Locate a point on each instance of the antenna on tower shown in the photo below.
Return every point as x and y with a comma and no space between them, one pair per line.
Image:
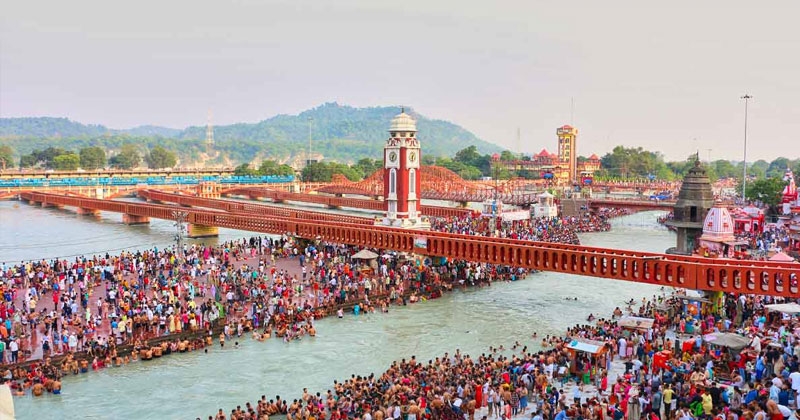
519,143
209,133
572,111
308,155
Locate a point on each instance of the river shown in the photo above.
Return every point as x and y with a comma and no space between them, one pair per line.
195,384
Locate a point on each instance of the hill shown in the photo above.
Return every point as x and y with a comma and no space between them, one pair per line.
338,132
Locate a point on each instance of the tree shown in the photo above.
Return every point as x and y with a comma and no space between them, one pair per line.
67,162
368,166
93,157
271,167
317,172
766,190
127,158
778,167
160,157
245,170
507,155
725,169
467,156
6,156
636,162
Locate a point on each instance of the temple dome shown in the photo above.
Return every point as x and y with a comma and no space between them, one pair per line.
718,224
403,122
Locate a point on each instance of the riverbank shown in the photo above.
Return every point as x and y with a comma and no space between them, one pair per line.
470,320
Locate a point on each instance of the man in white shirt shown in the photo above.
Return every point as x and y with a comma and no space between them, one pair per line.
794,377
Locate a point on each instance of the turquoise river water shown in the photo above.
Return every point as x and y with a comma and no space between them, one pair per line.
189,385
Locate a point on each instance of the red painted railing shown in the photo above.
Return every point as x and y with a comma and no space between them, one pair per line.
758,277
348,202
251,208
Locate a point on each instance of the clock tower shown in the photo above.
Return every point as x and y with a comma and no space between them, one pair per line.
401,175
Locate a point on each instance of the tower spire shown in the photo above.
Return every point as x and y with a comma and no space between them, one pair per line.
209,133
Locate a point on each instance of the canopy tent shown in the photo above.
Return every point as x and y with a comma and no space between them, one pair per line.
586,346
733,341
636,322
365,254
781,257
786,308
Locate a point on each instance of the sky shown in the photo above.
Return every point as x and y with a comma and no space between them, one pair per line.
665,76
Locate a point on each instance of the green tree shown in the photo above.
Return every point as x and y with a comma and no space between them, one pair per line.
757,169
508,155
67,162
93,157
766,190
777,167
127,158
368,166
271,167
725,169
245,170
317,172
160,157
6,156
623,162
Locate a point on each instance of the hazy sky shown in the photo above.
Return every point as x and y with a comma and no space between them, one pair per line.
650,74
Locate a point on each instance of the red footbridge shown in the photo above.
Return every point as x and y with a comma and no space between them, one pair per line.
337,202
758,277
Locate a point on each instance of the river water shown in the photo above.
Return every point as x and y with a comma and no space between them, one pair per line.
194,384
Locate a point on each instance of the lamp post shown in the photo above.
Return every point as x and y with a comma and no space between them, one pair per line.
746,98
180,219
495,161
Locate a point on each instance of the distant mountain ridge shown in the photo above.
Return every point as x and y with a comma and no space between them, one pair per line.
338,132
64,127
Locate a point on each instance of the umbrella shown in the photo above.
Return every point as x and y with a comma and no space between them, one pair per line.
781,257
787,308
365,254
734,341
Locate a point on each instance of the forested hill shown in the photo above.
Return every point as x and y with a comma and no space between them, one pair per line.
338,132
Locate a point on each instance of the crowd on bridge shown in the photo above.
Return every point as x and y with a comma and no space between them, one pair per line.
542,229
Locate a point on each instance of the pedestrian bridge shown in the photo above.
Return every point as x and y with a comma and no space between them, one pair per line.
735,276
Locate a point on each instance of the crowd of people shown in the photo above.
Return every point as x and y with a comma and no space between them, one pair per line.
91,306
556,229
694,379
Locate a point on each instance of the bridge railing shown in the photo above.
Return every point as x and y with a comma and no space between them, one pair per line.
757,277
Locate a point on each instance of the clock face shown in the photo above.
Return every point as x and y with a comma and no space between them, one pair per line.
412,156
392,156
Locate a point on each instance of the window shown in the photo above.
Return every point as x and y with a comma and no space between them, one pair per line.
412,181
393,181
693,214
412,209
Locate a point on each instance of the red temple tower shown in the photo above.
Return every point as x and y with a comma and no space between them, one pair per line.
401,175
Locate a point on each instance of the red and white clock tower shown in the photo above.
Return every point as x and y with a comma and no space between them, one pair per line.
401,175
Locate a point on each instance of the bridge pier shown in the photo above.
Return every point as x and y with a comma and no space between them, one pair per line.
202,231
87,212
48,205
130,219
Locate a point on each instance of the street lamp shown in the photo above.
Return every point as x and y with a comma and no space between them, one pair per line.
180,219
746,98
495,161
